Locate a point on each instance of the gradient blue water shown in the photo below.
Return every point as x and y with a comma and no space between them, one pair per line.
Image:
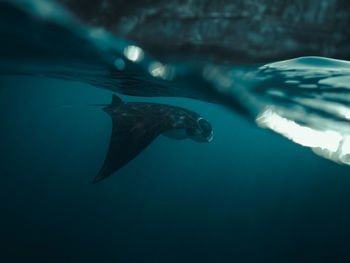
249,196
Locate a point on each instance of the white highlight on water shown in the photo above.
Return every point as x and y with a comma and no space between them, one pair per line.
328,143
133,53
303,135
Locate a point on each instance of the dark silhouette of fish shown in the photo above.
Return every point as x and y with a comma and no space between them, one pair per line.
137,124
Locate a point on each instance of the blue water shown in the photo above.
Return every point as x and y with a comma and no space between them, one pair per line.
250,195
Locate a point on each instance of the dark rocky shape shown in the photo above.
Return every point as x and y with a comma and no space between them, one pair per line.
236,31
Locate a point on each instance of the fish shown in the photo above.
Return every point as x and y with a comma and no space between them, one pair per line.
136,124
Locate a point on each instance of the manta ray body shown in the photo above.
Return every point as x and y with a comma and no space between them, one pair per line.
136,124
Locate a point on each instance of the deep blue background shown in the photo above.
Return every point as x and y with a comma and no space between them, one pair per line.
249,196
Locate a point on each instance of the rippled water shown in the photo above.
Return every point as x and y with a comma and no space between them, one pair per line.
304,99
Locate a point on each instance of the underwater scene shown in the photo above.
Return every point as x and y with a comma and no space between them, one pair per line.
175,131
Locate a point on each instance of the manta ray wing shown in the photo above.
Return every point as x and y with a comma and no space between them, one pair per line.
132,132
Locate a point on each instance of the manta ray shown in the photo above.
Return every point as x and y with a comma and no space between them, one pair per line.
136,124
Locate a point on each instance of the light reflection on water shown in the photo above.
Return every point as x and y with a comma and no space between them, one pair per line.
133,53
309,104
327,143
304,99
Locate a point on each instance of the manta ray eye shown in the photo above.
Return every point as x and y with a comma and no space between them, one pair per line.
205,126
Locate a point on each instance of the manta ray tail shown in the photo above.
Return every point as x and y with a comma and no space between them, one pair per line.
132,131
116,100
